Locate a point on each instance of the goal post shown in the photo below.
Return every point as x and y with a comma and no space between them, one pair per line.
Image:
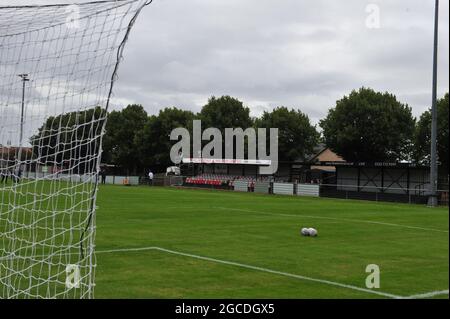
58,64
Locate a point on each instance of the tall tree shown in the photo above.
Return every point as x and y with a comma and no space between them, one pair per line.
225,112
153,141
422,135
297,136
119,141
70,140
369,126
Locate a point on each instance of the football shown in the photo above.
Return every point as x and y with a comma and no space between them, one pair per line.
312,232
305,232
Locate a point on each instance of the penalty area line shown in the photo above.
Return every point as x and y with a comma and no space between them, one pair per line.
261,269
428,294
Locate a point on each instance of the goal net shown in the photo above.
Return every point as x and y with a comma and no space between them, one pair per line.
58,64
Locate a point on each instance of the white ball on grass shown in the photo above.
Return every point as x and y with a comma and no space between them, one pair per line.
312,232
305,232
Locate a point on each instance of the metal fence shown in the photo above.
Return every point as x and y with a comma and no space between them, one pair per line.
417,195
283,188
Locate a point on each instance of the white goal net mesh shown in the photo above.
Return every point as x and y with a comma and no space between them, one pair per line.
57,67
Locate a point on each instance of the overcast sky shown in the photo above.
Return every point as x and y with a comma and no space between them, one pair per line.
304,54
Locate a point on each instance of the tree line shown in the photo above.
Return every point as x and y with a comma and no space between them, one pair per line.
364,126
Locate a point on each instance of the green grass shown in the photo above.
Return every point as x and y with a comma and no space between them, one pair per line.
262,231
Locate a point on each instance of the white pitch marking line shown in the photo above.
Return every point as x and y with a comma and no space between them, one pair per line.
419,296
231,263
335,218
125,250
428,294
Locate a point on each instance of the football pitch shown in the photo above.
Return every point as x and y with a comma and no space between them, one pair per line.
179,243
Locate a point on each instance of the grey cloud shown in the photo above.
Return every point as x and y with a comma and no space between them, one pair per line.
302,54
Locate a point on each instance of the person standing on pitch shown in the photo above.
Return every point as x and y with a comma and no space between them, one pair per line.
17,175
4,175
103,175
150,178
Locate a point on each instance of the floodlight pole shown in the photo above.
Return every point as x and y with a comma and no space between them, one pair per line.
25,79
433,197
